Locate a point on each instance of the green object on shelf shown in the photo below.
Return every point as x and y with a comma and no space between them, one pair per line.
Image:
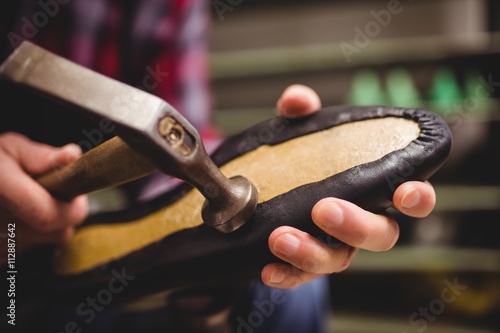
445,93
366,89
400,88
477,100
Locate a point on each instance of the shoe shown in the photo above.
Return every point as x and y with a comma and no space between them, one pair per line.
360,154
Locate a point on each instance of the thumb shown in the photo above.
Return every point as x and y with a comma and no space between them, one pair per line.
298,100
62,156
35,157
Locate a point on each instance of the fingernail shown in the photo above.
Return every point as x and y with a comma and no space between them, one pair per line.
67,153
331,215
410,199
286,245
277,277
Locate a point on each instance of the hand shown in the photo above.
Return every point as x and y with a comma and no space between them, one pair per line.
357,228
38,217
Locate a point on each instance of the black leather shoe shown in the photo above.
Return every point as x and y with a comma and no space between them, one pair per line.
360,154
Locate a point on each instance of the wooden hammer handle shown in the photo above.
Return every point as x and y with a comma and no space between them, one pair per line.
110,164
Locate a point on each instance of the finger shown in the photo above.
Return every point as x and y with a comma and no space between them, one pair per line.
34,157
27,235
29,202
307,253
23,197
416,199
355,226
58,237
66,154
285,276
298,100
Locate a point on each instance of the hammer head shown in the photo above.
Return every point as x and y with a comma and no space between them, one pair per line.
227,214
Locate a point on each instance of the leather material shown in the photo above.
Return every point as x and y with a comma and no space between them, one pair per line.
202,256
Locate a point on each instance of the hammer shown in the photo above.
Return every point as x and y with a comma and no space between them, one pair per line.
150,135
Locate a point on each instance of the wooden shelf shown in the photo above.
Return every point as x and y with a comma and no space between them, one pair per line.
459,198
366,323
427,258
329,56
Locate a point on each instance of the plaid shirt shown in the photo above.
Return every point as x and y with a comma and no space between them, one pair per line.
157,45
160,46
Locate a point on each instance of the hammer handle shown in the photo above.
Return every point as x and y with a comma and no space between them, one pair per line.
110,164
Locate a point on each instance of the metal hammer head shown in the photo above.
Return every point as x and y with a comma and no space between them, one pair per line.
229,202
234,206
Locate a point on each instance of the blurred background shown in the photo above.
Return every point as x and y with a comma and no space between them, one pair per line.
443,56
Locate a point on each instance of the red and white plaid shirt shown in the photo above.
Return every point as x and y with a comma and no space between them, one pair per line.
160,46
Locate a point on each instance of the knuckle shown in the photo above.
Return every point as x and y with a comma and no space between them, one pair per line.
44,220
77,215
62,236
360,238
346,259
294,280
293,277
311,265
391,237
9,136
317,259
